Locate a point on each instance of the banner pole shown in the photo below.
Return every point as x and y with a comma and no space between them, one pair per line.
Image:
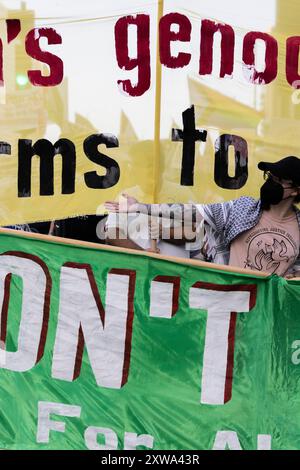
160,9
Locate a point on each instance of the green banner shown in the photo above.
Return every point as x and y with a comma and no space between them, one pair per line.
105,349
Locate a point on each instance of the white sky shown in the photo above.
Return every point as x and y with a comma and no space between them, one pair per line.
88,53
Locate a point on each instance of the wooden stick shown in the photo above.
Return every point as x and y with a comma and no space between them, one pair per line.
157,112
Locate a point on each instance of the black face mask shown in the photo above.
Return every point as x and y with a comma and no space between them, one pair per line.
271,193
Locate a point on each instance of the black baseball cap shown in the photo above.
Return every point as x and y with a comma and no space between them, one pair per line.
288,169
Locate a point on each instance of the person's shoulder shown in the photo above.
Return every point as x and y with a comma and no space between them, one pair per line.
246,201
246,206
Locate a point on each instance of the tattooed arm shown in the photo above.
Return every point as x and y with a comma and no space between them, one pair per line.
169,211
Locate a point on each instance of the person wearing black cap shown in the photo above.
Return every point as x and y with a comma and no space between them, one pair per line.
272,244
261,235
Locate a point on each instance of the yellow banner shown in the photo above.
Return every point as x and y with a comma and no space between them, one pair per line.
170,101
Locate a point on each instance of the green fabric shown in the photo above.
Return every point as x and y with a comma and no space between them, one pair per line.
162,395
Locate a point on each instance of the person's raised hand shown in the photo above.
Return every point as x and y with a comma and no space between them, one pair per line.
155,228
126,204
153,250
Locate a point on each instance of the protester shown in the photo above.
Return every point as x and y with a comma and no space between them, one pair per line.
37,227
262,235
